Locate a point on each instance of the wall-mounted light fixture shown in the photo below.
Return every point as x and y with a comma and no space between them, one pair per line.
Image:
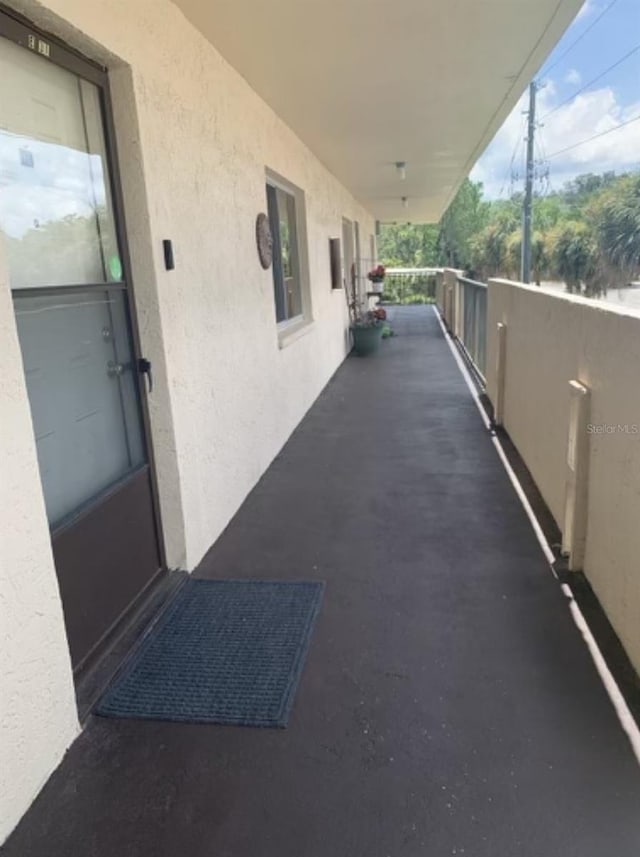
401,167
405,202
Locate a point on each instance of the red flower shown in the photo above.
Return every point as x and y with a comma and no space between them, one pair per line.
377,274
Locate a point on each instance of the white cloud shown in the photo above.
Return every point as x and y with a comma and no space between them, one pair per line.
587,115
573,77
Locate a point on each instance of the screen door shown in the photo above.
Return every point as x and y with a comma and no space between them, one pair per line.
60,228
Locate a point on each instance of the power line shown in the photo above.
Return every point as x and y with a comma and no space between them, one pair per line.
545,162
594,80
540,141
541,168
580,37
595,137
527,206
509,176
541,157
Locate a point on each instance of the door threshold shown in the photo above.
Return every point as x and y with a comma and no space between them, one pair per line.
92,679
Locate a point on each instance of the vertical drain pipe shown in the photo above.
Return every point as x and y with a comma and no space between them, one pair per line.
501,368
574,532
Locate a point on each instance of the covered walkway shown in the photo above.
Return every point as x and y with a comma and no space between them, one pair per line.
448,705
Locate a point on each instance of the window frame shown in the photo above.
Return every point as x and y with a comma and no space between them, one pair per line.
289,326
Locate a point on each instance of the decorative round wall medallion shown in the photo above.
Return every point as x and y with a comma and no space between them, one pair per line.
264,240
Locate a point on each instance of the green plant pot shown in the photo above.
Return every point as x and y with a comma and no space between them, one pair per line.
366,340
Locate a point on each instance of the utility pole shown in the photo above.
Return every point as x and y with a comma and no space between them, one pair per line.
525,268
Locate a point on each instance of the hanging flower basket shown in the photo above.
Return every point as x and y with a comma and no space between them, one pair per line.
377,275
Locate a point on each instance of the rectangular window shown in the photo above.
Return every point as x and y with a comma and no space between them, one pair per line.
56,211
287,230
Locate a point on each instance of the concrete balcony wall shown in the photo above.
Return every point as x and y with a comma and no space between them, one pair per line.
551,340
448,298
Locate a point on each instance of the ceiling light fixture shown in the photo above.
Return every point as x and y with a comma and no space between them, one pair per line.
401,167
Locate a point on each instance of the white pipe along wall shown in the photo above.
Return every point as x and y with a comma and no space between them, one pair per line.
552,340
194,143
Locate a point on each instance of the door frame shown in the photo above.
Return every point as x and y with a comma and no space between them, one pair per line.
358,261
19,30
348,249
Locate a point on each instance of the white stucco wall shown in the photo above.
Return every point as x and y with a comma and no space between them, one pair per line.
194,142
37,703
206,139
550,340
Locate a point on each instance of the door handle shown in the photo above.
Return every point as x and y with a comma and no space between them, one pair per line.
144,367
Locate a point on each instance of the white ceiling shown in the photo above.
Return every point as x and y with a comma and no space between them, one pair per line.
366,83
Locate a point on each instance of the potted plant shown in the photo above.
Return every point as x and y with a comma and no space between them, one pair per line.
367,332
366,326
376,277
381,314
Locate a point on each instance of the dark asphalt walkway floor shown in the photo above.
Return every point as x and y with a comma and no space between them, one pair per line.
448,706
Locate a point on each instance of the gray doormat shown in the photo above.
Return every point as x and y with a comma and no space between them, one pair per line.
226,651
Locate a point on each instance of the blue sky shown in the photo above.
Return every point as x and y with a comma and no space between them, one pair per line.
603,105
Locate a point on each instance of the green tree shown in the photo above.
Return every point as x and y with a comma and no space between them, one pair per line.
616,218
586,185
548,211
513,254
506,213
465,217
512,260
408,245
587,234
540,261
489,252
575,257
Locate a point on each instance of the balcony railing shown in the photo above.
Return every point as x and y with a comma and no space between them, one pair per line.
559,373
410,285
472,296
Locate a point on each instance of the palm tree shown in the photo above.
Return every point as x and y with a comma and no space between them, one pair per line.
617,217
575,256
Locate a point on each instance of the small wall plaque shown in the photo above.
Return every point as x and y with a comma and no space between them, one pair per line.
264,240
